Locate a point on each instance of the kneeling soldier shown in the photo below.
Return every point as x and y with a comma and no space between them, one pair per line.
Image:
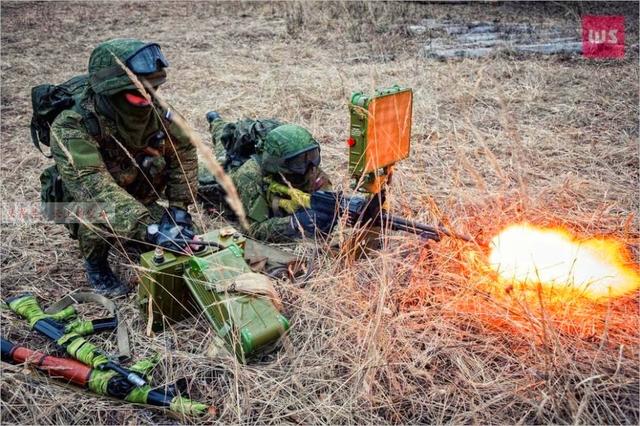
118,147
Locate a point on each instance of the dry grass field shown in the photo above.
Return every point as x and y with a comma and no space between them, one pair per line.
412,333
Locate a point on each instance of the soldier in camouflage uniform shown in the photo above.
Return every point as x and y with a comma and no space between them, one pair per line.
251,150
114,148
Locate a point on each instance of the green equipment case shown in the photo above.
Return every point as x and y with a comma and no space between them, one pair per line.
176,287
248,324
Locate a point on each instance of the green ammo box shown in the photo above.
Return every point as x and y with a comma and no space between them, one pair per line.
249,325
177,287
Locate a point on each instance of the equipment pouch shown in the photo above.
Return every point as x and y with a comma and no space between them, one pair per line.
53,197
51,192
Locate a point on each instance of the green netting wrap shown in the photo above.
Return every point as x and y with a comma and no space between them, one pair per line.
99,380
64,314
79,327
187,406
138,395
28,308
82,350
145,366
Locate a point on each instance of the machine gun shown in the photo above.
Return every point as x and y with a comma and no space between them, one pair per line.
359,210
379,137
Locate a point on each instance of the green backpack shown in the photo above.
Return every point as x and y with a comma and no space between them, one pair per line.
48,101
239,141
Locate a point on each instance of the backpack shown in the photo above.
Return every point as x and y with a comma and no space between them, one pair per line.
48,101
239,141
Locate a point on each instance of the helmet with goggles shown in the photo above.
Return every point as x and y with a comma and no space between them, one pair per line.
106,75
289,149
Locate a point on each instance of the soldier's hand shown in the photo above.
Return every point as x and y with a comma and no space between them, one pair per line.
174,228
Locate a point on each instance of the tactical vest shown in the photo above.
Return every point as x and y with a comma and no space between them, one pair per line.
145,178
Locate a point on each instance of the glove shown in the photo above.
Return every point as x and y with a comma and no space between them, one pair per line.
311,222
174,228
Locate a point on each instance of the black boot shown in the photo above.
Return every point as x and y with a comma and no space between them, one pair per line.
213,116
103,280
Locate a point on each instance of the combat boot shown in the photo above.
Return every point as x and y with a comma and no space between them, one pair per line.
102,279
213,116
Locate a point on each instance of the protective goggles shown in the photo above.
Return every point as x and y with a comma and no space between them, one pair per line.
147,60
300,163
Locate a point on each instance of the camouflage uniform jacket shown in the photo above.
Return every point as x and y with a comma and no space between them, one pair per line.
264,222
102,170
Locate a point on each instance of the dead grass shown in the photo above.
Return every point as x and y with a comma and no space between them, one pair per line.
410,334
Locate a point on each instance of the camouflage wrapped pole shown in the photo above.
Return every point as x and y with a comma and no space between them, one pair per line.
104,383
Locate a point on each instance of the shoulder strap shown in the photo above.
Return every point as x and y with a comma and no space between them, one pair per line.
88,297
89,117
92,123
35,138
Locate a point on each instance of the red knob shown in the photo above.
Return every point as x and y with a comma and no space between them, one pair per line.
351,142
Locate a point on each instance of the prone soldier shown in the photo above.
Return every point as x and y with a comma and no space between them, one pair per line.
256,151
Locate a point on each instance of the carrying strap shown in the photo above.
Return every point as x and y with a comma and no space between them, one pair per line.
36,142
89,117
279,264
253,284
124,352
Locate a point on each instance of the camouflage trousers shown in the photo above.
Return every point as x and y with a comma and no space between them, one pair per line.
96,240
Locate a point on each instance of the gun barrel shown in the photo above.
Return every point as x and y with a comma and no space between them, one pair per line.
130,376
412,226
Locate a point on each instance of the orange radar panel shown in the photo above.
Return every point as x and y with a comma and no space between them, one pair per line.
380,129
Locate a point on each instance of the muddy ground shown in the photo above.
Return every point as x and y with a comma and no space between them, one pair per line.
401,336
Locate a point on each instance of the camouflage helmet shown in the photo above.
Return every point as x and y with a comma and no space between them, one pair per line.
282,143
107,77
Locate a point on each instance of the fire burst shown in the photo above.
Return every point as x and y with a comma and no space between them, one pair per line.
552,257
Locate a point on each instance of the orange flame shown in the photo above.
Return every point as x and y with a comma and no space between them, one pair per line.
552,257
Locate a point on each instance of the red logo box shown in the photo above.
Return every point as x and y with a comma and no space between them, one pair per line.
603,36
